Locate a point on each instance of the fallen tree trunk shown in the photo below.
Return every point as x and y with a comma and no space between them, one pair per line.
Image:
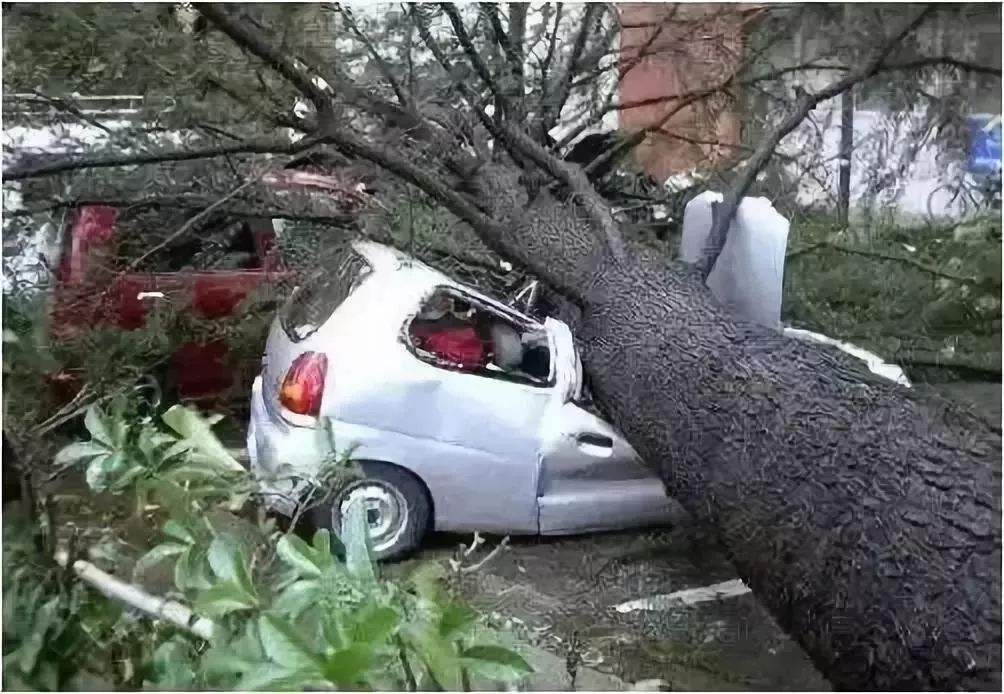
866,517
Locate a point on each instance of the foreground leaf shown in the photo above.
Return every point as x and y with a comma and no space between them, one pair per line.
347,666
299,555
80,451
496,662
193,427
94,422
456,619
374,624
295,599
224,598
284,646
355,537
157,555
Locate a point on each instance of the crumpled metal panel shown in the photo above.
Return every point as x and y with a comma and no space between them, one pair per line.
749,274
495,455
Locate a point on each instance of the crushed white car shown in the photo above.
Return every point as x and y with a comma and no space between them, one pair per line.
464,413
447,441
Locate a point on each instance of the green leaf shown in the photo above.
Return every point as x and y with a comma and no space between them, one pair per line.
356,538
42,619
495,662
297,598
190,570
192,426
79,451
299,555
374,624
171,667
347,666
226,558
455,620
101,471
439,657
323,545
224,598
270,678
284,646
173,528
157,555
95,424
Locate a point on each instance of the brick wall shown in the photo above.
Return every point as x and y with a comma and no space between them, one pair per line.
698,45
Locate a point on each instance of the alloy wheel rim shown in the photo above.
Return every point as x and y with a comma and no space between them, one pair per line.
386,513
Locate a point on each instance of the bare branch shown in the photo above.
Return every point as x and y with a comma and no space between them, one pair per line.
248,36
893,257
763,153
70,107
191,222
471,51
381,64
50,165
412,172
550,108
469,96
552,43
947,61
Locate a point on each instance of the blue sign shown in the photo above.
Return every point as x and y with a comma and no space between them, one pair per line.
984,144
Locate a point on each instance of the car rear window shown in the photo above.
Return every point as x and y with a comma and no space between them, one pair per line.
313,303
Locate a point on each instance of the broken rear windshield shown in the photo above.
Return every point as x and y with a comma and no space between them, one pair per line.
313,303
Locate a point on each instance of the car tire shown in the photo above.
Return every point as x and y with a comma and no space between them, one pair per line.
399,502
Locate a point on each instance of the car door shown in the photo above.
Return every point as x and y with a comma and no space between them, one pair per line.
590,476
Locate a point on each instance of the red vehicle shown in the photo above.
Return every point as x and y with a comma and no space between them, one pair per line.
90,291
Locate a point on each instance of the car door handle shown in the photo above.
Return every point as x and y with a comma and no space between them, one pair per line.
596,445
598,440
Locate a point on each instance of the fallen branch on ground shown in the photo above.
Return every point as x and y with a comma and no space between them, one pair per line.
134,596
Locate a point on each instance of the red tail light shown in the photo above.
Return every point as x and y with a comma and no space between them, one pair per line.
303,386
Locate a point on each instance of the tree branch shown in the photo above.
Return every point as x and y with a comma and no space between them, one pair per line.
946,60
191,222
381,64
894,257
248,36
469,96
549,56
472,53
551,109
52,165
807,102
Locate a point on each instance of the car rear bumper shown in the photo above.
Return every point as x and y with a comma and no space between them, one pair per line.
276,448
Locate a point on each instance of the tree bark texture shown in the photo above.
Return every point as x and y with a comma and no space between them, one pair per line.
864,516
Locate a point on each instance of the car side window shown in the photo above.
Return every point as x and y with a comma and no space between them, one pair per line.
219,242
457,332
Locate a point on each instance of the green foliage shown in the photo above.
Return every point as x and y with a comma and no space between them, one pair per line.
52,623
285,614
904,292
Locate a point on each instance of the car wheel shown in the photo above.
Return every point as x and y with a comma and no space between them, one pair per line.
397,509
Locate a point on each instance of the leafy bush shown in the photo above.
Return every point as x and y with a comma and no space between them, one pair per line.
917,295
268,609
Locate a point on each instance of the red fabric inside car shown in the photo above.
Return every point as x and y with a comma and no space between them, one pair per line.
460,346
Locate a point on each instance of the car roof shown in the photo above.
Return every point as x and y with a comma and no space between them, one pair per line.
415,277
